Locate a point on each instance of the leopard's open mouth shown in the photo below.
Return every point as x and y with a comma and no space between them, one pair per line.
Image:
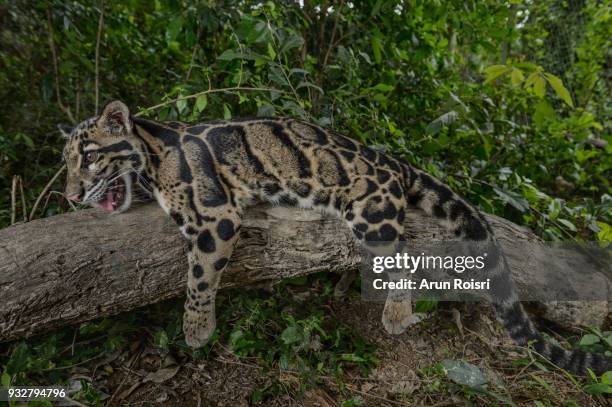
117,195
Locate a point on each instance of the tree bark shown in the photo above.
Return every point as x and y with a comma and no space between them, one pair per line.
75,267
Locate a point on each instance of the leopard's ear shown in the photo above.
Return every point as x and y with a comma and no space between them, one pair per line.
64,131
115,119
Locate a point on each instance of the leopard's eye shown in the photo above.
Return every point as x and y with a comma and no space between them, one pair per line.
90,157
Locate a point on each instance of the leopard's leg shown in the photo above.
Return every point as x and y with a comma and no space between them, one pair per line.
211,247
377,221
397,314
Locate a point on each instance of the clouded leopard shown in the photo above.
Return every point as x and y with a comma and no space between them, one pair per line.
205,175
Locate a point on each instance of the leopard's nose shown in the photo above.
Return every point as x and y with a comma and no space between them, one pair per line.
74,197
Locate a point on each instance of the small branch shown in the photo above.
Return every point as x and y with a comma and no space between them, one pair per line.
193,54
45,190
333,35
77,101
23,200
98,38
195,95
13,200
60,103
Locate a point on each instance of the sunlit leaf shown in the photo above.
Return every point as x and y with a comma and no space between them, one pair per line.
201,103
495,71
559,88
539,86
517,77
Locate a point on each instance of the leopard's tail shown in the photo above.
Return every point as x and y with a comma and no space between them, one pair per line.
439,201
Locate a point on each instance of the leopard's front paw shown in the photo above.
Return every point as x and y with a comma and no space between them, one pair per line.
198,329
397,316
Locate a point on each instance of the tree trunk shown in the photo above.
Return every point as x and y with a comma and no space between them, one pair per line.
75,267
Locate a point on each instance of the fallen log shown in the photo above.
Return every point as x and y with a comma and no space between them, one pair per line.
75,267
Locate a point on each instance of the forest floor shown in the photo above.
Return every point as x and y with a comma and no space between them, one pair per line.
296,346
408,370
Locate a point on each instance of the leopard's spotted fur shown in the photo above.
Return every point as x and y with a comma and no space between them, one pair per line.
205,175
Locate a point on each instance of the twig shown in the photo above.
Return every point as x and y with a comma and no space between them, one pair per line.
280,61
129,365
13,200
333,35
195,95
82,362
63,107
98,37
193,54
24,208
44,191
77,97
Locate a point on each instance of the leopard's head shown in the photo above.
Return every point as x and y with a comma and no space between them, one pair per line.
103,158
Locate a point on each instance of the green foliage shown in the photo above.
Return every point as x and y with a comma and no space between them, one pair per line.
478,94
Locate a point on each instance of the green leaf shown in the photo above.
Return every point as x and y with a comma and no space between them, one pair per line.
559,88
227,113
201,103
271,52
181,105
160,340
291,335
377,49
514,199
306,84
531,79
265,110
351,357
293,41
606,378
5,380
567,224
494,71
425,305
517,77
230,55
383,87
539,86
174,29
464,373
236,337
589,339
527,66
544,114
598,388
605,232
444,120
